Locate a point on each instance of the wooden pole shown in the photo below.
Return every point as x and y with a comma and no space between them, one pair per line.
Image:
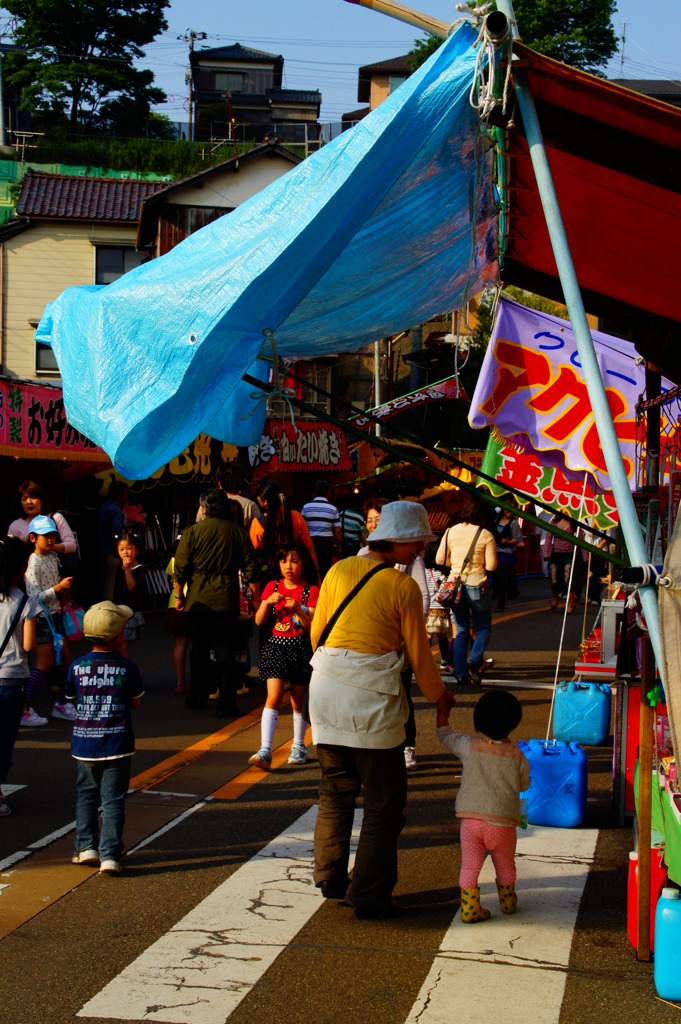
645,790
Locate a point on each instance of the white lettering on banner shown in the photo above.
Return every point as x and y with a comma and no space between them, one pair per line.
312,446
430,394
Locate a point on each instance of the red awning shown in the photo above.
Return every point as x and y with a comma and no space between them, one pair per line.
615,157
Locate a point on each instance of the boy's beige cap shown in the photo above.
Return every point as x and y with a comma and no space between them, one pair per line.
105,620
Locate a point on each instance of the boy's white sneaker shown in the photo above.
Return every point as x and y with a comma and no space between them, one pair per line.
88,857
31,718
110,867
65,711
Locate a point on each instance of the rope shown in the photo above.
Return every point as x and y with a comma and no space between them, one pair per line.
483,100
562,632
278,389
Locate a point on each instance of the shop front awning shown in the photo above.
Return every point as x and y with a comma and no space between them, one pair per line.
615,157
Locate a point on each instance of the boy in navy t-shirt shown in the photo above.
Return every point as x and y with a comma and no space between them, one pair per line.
106,687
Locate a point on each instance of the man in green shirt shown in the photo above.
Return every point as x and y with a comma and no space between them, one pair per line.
208,559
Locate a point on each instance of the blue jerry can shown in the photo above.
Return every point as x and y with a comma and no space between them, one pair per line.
582,713
557,793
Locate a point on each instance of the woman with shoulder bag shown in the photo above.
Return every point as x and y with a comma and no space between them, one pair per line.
471,551
362,630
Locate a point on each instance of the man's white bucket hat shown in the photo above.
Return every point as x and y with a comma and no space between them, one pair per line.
403,521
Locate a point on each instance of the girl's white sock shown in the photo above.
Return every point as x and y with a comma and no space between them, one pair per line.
299,727
268,724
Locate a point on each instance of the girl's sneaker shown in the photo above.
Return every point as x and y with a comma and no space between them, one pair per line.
298,754
31,718
181,688
65,711
263,759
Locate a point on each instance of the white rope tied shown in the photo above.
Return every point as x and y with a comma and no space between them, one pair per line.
481,95
279,390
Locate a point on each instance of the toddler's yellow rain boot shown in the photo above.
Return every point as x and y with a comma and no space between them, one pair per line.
471,911
507,898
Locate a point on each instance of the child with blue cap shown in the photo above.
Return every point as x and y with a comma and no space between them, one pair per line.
44,582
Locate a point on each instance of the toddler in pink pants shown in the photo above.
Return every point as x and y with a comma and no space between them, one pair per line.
495,773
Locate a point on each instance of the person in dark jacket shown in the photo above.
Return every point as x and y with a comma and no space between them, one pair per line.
208,559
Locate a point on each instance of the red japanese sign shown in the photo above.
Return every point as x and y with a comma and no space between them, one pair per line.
305,444
33,424
443,389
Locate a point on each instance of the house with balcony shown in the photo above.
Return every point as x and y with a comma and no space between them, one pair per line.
237,92
375,82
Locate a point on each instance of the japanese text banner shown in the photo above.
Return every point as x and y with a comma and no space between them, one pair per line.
305,444
448,388
531,391
562,491
33,425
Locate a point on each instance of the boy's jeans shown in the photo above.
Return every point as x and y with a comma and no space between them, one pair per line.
109,781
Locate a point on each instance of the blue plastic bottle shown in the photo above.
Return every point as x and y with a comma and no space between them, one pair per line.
667,940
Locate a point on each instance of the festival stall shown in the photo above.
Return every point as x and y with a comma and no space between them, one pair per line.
322,261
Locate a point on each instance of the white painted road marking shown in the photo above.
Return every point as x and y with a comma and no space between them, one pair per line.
513,968
201,969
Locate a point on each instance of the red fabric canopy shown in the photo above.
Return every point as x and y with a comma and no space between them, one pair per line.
615,157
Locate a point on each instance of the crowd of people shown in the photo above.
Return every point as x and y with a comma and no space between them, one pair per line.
351,606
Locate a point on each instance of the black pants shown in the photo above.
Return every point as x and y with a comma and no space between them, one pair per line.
323,547
410,725
218,632
383,776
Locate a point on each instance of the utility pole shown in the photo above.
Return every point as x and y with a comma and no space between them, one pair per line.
190,38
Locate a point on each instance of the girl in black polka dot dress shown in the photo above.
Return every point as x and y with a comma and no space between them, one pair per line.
287,605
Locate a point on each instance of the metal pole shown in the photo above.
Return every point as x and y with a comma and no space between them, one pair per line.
377,382
585,346
645,795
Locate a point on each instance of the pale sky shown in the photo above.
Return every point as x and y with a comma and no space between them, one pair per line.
324,42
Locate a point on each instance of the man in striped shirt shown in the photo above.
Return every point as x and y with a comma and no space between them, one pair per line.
323,522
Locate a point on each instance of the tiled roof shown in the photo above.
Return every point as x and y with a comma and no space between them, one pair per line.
294,95
398,65
660,89
74,197
234,52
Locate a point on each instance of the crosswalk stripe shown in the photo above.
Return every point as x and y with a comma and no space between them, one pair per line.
200,970
513,968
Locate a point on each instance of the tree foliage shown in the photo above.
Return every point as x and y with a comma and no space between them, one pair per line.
74,61
576,32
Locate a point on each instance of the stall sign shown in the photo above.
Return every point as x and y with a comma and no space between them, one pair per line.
561,491
444,389
33,424
305,444
531,390
197,463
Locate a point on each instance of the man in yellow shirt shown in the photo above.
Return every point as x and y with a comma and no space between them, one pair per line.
358,707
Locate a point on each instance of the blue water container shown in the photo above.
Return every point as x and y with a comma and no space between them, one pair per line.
582,713
667,942
557,793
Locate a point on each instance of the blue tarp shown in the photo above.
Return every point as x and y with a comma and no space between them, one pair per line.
387,226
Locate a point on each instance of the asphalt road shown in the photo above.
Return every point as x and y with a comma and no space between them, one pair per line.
67,932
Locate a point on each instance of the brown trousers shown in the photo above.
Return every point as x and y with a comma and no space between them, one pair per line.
383,777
